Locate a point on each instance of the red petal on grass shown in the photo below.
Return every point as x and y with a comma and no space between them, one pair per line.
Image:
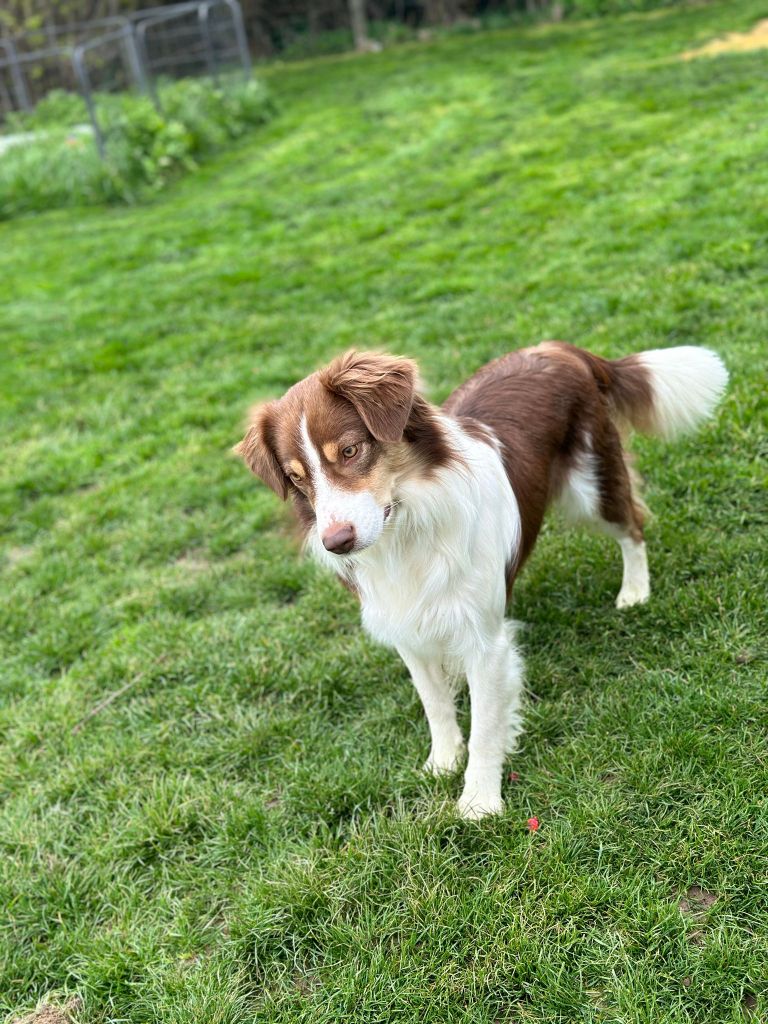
513,777
533,824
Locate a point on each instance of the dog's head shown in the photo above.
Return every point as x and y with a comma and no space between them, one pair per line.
336,442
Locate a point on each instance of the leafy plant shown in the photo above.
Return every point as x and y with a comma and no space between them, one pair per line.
145,148
59,109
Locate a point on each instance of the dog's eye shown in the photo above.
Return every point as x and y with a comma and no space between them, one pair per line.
350,451
295,478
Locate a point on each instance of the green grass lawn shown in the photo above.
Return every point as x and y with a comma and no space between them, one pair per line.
210,804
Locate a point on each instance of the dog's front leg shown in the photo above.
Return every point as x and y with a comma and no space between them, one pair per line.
437,698
495,677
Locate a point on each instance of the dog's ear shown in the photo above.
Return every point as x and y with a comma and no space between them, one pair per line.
257,449
380,387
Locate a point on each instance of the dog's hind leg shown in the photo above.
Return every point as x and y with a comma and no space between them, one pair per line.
635,583
600,489
495,677
437,697
621,516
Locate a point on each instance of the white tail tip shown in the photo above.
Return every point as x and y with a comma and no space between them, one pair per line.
687,384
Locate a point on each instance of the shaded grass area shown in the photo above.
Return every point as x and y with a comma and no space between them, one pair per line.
239,833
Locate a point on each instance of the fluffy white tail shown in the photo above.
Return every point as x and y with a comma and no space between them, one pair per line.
686,383
664,391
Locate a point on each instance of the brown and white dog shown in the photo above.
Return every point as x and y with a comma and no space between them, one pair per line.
429,513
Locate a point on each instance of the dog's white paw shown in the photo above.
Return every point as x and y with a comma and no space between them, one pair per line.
629,596
475,806
444,762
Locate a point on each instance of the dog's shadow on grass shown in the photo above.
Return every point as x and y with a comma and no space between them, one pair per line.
573,638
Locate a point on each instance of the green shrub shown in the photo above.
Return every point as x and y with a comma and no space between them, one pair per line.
59,109
144,148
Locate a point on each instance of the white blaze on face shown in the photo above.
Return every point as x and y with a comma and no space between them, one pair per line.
337,505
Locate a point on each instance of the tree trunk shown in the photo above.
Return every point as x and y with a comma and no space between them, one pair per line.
359,25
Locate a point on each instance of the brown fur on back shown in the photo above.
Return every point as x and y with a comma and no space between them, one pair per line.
547,406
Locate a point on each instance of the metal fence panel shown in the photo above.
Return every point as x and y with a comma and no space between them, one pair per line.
134,51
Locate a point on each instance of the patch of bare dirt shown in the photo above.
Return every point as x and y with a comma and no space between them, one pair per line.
748,1003
734,42
47,1013
193,561
18,554
695,905
696,901
305,983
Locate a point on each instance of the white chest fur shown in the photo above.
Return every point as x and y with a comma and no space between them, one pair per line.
435,579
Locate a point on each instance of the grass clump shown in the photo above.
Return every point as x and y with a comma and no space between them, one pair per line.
145,148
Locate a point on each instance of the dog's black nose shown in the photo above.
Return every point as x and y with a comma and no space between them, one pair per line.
339,538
